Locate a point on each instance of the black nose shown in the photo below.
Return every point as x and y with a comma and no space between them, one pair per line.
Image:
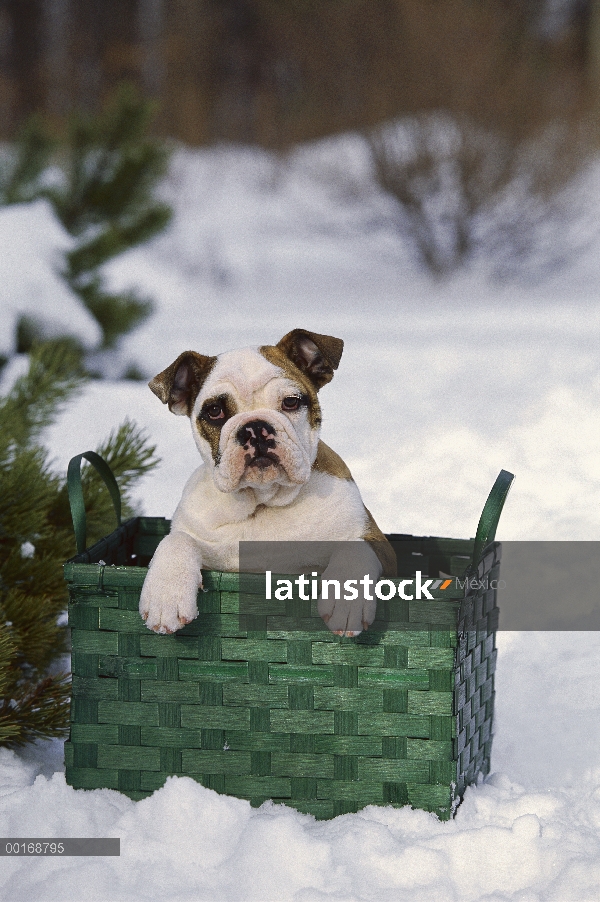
257,434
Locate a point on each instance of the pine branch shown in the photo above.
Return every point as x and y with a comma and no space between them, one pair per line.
129,456
128,453
116,313
38,711
111,169
36,537
35,630
20,178
8,650
27,490
115,238
37,398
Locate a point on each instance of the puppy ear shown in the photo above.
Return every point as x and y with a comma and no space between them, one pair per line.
317,356
179,384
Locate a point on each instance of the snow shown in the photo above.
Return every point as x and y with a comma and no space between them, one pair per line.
441,385
188,843
33,246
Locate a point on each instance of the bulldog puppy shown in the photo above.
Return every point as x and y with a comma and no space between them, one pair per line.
266,476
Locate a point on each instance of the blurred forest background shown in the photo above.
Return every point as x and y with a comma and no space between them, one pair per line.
276,72
465,106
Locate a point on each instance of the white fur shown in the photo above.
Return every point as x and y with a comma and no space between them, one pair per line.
222,506
257,388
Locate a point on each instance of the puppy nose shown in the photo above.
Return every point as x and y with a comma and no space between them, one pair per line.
257,434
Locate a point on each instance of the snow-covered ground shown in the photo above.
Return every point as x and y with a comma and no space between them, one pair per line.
441,385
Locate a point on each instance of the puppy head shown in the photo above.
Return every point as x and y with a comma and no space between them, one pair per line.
254,412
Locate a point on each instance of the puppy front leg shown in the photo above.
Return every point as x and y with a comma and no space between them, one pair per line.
349,564
168,599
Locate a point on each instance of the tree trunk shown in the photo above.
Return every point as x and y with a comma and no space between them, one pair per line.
55,26
150,20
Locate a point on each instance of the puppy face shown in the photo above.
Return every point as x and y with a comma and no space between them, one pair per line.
254,424
254,412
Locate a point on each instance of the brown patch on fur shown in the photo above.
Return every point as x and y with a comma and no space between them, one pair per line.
327,461
380,546
277,357
317,356
211,432
179,384
212,435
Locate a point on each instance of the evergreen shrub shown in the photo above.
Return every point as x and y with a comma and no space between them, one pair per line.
36,537
101,181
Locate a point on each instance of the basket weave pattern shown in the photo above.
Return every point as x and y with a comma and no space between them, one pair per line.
273,705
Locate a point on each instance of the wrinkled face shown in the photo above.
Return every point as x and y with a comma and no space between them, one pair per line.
256,420
255,414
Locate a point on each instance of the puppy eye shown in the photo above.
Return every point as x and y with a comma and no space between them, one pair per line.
214,411
291,403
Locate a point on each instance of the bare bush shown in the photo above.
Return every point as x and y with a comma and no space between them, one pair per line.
461,193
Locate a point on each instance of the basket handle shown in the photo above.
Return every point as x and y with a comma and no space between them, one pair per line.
75,493
488,522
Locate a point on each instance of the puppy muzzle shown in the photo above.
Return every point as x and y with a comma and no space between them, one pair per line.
258,439
261,447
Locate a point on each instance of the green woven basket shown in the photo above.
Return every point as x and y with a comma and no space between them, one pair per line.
283,709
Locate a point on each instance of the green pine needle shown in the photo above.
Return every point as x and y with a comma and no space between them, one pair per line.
36,538
111,170
37,398
21,171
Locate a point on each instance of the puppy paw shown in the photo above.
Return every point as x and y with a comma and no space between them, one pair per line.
166,607
354,611
347,618
169,593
